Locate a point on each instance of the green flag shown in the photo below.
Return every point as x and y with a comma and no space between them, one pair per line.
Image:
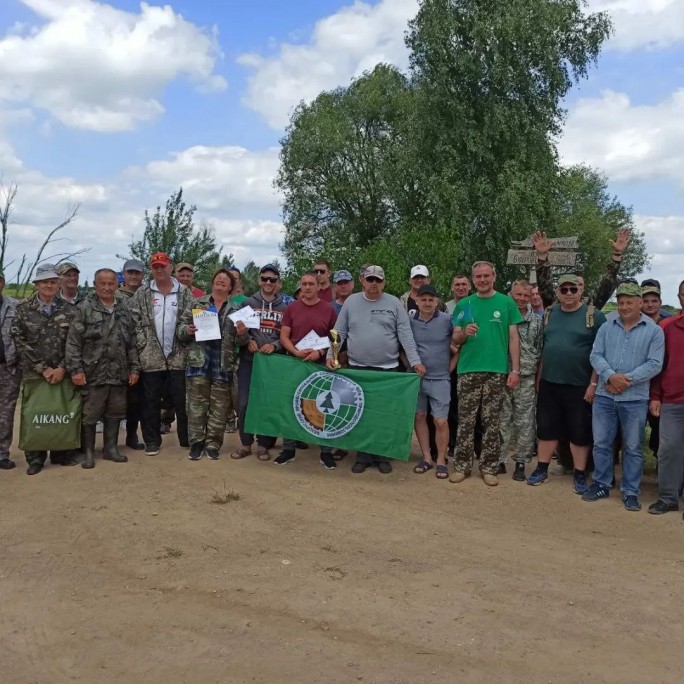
357,410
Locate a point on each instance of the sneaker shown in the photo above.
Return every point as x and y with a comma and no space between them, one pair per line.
385,467
595,492
165,428
457,476
284,457
579,483
538,476
502,469
196,451
212,453
151,449
7,464
328,461
631,503
660,507
519,472
359,468
490,480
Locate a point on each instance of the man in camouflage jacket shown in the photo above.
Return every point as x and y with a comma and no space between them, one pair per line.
39,330
10,376
102,359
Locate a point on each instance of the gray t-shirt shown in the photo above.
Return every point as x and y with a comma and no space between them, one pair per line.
433,341
374,331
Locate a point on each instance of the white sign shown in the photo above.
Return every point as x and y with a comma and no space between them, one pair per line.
207,324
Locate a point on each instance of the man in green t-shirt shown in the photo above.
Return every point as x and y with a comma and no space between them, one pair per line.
486,329
568,382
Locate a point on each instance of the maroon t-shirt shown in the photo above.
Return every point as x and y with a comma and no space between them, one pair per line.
326,295
302,319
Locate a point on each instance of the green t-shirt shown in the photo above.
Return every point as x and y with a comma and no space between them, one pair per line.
567,345
487,352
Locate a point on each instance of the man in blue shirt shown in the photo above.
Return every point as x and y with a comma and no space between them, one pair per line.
627,353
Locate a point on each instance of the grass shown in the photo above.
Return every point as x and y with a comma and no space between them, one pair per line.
226,497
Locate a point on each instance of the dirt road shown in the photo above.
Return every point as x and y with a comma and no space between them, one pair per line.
129,573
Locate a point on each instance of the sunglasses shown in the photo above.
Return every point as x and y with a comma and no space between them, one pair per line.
266,279
569,290
373,279
320,270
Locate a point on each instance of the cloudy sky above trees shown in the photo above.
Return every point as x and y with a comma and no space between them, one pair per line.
115,105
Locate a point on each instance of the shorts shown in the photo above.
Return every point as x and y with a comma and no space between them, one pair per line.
562,414
438,394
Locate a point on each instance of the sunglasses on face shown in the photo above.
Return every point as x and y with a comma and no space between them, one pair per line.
267,279
573,289
320,270
373,279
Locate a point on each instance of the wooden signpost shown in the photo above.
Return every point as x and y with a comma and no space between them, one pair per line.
522,253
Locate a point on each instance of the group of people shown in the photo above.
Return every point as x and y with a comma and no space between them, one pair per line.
502,375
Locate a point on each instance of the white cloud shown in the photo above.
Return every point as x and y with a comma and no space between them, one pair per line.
629,142
99,68
654,24
342,46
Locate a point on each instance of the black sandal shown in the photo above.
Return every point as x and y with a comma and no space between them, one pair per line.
422,467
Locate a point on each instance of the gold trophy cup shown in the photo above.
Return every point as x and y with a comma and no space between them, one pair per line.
335,340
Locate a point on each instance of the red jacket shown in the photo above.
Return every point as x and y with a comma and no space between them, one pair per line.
668,386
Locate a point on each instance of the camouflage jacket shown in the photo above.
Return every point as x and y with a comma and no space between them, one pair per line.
8,307
101,343
41,339
599,298
150,352
531,332
196,353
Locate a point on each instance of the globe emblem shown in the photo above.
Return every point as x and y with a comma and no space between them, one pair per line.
328,405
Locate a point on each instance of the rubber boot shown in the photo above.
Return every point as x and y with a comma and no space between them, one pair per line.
88,446
110,436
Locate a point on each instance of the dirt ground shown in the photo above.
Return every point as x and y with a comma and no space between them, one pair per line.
129,573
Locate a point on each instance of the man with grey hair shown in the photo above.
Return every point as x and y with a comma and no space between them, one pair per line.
486,330
375,327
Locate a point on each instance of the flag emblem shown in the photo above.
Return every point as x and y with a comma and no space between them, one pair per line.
328,405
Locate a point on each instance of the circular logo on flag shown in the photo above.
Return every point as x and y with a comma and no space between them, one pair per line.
328,405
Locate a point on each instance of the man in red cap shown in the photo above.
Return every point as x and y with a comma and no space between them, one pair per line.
156,309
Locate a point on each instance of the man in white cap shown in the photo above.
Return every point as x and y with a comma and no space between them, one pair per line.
69,274
39,330
418,277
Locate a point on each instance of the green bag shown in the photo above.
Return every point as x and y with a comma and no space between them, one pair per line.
50,416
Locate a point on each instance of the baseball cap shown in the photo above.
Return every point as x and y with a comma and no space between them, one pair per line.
427,290
420,270
271,268
134,265
342,276
376,271
161,258
568,278
45,272
628,289
650,289
67,266
184,265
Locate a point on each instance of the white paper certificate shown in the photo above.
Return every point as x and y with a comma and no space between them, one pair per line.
312,341
207,324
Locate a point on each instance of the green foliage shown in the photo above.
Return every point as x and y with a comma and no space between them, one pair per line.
448,165
172,230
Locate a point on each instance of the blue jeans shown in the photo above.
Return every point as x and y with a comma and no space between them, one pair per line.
607,414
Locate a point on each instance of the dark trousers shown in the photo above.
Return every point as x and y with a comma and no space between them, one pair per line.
362,456
134,403
154,385
244,377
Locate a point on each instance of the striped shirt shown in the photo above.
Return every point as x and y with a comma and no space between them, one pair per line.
637,353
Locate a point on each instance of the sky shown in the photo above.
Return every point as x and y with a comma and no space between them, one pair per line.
114,105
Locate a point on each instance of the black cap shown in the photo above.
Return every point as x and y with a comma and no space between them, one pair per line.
270,267
427,290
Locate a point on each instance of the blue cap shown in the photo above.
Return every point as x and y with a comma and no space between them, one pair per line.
341,276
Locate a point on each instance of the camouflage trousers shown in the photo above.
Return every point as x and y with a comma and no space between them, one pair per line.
208,403
481,392
9,392
518,421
